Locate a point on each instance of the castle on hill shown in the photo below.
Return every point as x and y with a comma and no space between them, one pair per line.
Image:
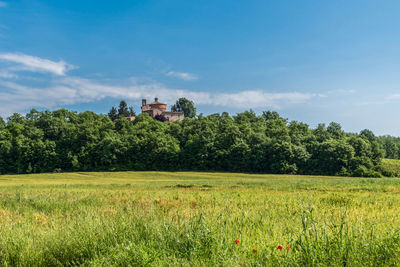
158,108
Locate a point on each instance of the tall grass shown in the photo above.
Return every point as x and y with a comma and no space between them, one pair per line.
193,219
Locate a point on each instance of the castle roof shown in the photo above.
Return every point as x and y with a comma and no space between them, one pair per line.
156,102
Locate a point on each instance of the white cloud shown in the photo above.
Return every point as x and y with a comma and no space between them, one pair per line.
393,97
36,64
7,75
337,93
15,97
384,100
182,75
342,91
3,4
380,100
259,99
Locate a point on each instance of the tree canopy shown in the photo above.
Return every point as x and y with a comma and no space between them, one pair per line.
122,111
64,140
185,105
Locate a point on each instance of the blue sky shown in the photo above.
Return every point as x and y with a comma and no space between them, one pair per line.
312,61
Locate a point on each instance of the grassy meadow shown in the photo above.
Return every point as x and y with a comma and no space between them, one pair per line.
194,219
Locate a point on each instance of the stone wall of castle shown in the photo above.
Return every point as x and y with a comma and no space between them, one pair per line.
157,108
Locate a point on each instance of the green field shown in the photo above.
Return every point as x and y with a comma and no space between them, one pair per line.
193,219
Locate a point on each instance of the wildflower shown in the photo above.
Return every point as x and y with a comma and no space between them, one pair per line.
288,248
255,250
280,247
237,241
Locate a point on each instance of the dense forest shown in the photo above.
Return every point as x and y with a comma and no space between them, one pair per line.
390,146
62,140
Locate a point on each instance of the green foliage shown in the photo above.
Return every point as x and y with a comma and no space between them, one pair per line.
122,111
185,105
68,141
390,146
391,167
113,114
2,123
272,115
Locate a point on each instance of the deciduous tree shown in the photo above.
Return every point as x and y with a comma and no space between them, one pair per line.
185,105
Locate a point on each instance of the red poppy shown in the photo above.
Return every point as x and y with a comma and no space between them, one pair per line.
280,247
237,241
288,248
255,250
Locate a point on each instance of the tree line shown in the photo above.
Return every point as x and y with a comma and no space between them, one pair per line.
63,140
390,146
